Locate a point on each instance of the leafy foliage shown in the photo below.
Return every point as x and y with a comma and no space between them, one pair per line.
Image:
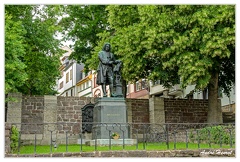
170,42
82,25
34,69
15,74
214,135
14,137
190,44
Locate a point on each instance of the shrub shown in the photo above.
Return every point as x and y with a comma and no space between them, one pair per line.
14,138
214,134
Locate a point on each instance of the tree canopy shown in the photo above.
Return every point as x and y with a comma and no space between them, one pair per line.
15,74
82,24
169,42
32,51
191,43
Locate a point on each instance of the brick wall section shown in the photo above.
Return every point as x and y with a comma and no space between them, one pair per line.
34,110
32,113
69,112
185,111
140,110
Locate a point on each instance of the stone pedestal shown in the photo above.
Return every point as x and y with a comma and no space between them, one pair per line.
110,116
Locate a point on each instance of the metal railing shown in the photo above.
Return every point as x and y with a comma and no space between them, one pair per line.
136,135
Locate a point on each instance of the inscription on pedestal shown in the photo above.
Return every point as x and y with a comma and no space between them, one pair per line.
110,115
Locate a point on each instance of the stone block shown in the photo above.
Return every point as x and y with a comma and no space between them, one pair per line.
106,112
137,154
106,154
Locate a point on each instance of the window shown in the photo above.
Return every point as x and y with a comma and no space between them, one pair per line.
157,82
90,83
83,74
141,85
81,77
79,88
138,86
71,74
144,85
95,81
67,77
205,91
128,89
83,86
61,85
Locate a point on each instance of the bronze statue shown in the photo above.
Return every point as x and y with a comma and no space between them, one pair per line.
105,69
118,79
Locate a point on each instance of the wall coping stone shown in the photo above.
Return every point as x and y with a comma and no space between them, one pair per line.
139,153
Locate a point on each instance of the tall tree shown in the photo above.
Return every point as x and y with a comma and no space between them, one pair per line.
82,24
15,74
41,48
193,43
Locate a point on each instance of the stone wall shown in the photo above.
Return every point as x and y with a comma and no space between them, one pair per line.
14,108
156,110
32,113
139,153
185,111
41,113
228,112
138,110
69,111
45,109
57,117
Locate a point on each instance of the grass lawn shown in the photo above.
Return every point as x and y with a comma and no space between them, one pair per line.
46,149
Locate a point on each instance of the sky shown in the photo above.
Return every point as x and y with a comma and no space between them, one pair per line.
3,2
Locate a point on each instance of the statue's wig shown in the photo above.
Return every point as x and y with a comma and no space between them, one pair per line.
104,46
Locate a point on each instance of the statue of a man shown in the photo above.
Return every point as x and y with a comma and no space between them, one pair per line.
105,69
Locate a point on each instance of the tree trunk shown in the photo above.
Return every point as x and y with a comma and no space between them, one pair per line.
214,109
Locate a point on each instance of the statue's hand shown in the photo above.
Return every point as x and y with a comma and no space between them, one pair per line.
110,62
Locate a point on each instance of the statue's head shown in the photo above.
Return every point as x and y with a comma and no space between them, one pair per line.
107,47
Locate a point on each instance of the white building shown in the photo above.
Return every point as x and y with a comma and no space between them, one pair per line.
70,74
74,81
156,89
84,85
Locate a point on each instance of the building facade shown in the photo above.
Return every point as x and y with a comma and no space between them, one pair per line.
84,85
70,74
157,90
138,90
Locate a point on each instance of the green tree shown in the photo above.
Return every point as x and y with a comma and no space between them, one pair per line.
82,25
193,43
41,48
15,74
